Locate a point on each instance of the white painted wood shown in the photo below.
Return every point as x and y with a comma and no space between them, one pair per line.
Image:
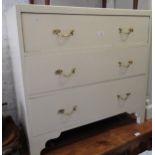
13,19
38,31
15,44
93,103
37,144
96,83
92,66
80,10
149,111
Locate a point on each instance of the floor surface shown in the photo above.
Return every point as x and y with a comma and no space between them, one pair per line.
106,137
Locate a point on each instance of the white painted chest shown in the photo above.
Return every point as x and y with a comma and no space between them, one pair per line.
74,66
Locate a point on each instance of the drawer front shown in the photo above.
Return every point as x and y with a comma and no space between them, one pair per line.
57,71
75,107
43,32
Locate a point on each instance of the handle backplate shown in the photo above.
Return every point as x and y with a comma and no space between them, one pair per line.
59,33
64,112
130,30
119,97
130,62
60,72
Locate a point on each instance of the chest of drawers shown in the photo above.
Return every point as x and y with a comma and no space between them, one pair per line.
75,66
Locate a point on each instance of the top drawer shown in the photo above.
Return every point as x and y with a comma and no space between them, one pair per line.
43,32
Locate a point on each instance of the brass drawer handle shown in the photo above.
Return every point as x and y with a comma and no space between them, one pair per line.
119,97
59,33
64,112
130,62
60,72
130,30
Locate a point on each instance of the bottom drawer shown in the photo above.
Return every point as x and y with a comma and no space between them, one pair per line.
71,108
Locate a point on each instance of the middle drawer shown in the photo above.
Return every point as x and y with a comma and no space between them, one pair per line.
48,72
